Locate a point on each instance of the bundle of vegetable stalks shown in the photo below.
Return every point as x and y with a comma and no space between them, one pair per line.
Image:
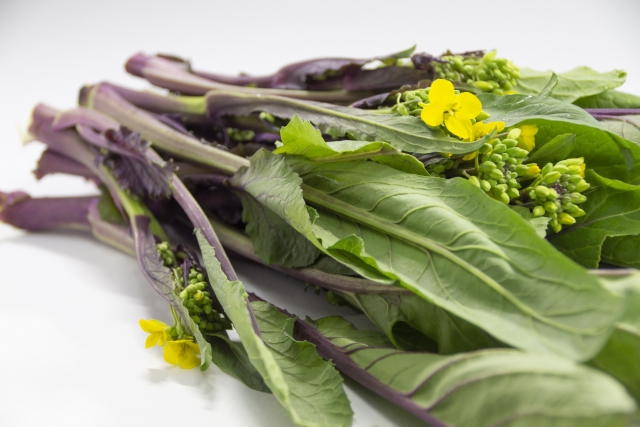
486,219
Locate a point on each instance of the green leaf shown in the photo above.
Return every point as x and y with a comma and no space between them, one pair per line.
275,241
604,151
627,127
609,99
480,389
539,224
233,359
621,356
623,251
308,388
407,133
559,147
612,209
572,85
411,322
445,241
302,139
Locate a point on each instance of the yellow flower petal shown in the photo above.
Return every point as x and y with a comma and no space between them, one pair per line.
441,93
432,115
470,156
152,340
470,105
499,126
458,127
582,168
152,325
526,142
183,353
528,130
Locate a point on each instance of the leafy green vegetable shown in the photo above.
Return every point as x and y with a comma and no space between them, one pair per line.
558,148
477,389
302,139
622,251
612,209
620,356
609,99
445,241
407,133
308,388
572,85
627,127
605,152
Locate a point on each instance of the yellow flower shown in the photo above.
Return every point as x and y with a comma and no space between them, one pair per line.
478,130
583,166
158,332
527,140
456,111
183,353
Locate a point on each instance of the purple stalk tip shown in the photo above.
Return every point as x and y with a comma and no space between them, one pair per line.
136,64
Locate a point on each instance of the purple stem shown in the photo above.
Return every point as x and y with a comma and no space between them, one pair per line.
105,98
198,218
51,162
329,351
176,76
20,210
241,80
612,111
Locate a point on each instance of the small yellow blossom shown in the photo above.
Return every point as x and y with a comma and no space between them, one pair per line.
456,111
478,130
183,353
158,332
527,140
583,166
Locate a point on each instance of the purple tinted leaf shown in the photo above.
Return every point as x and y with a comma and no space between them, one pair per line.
241,80
51,162
127,161
383,79
371,102
298,75
20,210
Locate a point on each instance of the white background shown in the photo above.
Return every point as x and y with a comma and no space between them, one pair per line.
71,351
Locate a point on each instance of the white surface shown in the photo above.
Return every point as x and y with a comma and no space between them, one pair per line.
71,351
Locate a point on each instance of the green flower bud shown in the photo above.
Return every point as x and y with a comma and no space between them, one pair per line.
521,170
504,198
402,110
574,170
542,191
500,165
510,142
560,168
538,211
546,169
497,91
197,310
485,185
551,177
569,207
513,183
475,181
532,195
486,148
512,161
513,193
487,167
582,186
553,194
496,174
200,286
575,162
191,289
184,294
484,86
196,318
499,148
514,134
483,116
578,213
492,182
550,207
571,187
555,226
574,179
566,219
578,198
496,158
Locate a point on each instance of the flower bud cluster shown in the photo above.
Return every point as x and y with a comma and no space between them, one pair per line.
557,192
500,165
166,254
438,169
491,74
200,306
240,135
